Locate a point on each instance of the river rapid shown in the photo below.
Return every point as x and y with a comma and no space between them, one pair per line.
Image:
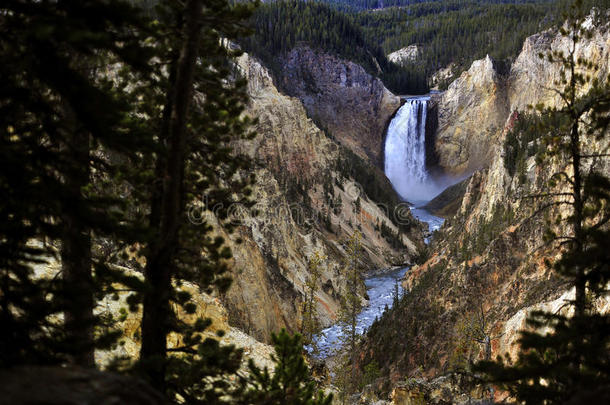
381,290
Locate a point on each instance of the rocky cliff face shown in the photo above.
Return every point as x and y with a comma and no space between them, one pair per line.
341,97
405,55
471,114
474,110
531,78
305,204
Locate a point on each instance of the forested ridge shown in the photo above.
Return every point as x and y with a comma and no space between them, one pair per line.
449,33
459,32
359,5
455,32
280,26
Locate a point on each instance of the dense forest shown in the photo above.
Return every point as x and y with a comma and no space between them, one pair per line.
455,32
381,4
449,33
280,26
459,32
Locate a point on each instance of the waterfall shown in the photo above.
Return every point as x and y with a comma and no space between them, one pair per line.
405,152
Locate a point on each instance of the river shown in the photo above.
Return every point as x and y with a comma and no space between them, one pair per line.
405,166
380,289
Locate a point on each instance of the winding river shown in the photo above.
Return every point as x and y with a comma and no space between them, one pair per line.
405,166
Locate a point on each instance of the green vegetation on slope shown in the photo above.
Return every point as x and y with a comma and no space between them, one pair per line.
458,32
280,26
359,5
454,32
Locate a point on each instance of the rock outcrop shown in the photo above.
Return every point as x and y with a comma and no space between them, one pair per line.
405,55
532,78
73,386
453,389
447,203
341,98
443,77
471,115
476,106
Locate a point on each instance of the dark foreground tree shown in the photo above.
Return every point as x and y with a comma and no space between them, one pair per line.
60,120
192,175
83,126
290,383
571,363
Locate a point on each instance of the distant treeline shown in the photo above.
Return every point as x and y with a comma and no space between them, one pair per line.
360,5
280,26
459,32
448,32
455,32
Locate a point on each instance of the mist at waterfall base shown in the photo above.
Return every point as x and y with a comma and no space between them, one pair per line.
405,154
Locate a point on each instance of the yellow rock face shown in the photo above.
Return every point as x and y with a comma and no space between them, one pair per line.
475,108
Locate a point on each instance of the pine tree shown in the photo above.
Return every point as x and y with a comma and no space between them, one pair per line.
311,324
350,299
193,170
60,121
290,383
571,364
348,317
396,295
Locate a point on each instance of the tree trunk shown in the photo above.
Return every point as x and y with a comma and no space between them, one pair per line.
159,267
580,301
76,258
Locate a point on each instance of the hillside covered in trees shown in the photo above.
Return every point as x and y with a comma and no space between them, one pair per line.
448,33
459,32
381,4
280,26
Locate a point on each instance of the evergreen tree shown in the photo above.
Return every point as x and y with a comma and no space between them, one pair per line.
350,300
60,122
192,171
310,324
396,295
357,206
571,363
290,383
348,316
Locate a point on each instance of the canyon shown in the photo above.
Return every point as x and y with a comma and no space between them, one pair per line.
293,153
337,153
322,112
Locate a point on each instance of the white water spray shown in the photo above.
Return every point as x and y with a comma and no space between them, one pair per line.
405,152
